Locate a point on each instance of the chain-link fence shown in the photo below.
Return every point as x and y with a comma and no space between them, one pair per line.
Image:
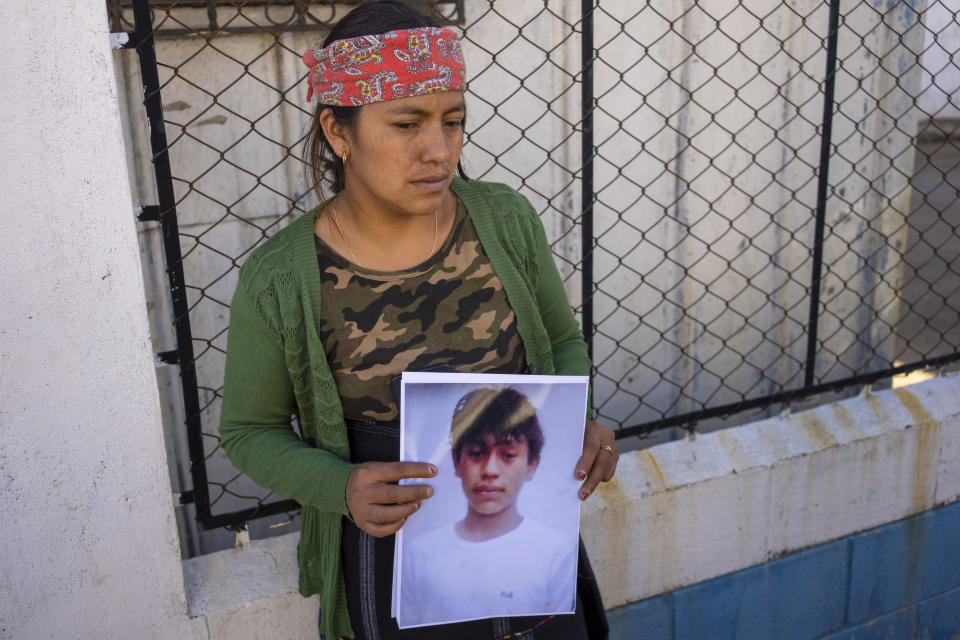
751,202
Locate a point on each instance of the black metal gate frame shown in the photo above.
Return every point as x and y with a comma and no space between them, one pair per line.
142,39
165,212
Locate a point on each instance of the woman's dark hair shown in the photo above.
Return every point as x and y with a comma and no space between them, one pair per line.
367,19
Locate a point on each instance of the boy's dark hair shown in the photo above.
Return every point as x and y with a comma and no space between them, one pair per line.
368,19
505,413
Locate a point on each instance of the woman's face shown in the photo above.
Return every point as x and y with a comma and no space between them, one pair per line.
402,154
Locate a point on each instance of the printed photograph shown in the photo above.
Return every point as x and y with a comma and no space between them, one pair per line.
499,536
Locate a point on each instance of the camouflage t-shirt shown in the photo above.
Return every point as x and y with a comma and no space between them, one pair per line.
450,310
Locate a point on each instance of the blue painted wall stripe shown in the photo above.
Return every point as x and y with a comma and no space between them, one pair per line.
793,598
905,562
900,580
898,625
649,619
939,618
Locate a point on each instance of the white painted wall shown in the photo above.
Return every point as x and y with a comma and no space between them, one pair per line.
691,510
89,546
941,75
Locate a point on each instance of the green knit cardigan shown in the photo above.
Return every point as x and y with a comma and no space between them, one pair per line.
276,369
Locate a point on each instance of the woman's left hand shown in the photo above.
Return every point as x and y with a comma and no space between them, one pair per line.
599,460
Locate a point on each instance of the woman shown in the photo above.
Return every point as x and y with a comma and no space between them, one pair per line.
415,269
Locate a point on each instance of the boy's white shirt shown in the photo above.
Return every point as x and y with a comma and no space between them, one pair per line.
530,570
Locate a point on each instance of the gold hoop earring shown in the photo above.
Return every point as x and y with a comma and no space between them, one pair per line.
344,156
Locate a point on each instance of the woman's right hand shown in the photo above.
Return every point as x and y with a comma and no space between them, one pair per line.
377,503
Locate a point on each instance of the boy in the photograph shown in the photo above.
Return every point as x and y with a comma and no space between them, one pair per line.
494,561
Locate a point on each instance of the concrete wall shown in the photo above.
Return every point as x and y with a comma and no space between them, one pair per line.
941,77
894,582
89,544
688,511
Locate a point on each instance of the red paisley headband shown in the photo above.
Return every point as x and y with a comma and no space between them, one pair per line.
392,65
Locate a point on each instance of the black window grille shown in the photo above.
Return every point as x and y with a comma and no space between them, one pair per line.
194,17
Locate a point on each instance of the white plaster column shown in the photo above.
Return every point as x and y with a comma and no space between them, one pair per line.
89,545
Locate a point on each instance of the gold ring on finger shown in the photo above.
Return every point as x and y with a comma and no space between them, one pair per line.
608,449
